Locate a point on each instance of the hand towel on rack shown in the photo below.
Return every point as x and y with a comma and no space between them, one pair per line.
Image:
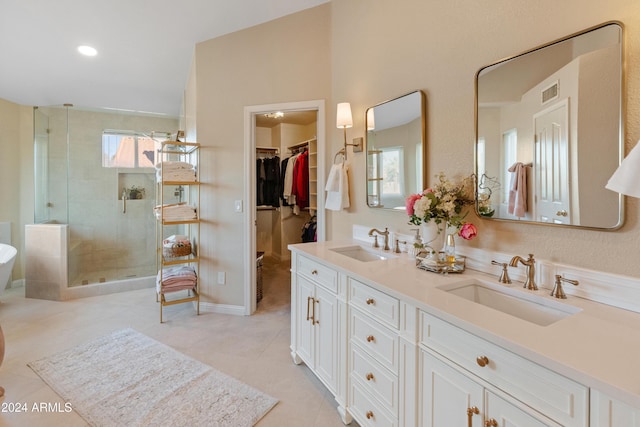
333,181
338,200
518,190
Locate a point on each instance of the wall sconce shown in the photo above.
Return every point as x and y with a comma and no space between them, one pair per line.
344,120
626,179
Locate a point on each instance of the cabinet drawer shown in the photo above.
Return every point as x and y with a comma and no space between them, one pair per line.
554,395
319,273
380,342
381,306
375,379
367,410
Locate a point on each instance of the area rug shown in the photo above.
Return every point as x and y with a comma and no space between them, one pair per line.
129,379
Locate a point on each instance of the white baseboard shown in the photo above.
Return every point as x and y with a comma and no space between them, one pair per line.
211,307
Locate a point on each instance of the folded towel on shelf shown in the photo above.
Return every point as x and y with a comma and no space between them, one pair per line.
339,199
178,278
175,171
184,175
173,165
175,212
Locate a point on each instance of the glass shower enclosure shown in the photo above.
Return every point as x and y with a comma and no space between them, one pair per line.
94,170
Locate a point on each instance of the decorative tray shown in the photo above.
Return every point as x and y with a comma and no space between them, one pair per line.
436,262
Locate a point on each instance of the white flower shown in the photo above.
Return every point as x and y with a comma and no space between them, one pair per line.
421,206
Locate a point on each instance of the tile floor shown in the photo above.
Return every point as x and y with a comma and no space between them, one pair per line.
253,349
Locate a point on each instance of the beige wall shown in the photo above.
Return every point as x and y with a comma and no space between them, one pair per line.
286,60
378,51
16,179
383,49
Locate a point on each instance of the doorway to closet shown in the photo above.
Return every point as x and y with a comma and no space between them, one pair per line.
284,192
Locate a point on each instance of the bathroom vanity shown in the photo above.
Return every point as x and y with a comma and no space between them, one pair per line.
399,346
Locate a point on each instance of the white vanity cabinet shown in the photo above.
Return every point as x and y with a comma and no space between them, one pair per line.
316,319
317,325
374,344
609,412
461,372
451,397
396,351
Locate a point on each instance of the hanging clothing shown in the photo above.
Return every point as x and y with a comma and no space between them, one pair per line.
283,172
271,185
268,181
260,176
309,230
301,180
287,191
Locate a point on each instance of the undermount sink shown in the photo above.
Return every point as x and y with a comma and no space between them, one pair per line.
359,253
525,306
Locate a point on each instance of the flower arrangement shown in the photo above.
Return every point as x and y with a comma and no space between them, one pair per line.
445,202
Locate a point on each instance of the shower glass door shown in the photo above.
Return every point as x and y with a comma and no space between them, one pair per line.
92,186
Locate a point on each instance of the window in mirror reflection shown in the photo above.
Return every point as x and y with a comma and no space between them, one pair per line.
395,150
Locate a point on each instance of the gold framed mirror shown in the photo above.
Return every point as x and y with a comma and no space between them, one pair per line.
549,132
396,150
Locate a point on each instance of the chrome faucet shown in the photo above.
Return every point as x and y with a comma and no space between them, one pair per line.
384,233
530,263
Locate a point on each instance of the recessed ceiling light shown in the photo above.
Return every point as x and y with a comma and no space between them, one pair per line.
87,50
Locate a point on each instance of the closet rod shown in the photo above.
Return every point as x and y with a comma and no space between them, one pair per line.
267,149
301,144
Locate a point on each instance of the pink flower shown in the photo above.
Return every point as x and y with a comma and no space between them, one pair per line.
411,200
468,231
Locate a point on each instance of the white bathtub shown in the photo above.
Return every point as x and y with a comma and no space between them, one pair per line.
7,258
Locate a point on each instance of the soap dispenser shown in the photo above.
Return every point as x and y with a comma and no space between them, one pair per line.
415,249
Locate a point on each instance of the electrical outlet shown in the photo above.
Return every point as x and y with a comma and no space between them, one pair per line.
222,278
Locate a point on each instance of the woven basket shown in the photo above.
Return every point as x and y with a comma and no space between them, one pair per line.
173,250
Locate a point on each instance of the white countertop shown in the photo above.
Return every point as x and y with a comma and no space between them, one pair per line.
598,346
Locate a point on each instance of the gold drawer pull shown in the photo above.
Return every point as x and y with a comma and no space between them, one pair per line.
314,272
370,301
470,413
482,361
491,423
369,376
369,415
371,338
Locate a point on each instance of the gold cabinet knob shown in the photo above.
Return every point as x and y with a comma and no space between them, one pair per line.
314,272
370,301
369,376
482,361
371,338
491,423
369,415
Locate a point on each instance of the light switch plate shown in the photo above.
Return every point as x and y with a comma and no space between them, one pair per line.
237,206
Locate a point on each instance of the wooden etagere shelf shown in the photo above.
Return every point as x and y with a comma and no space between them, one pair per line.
178,224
